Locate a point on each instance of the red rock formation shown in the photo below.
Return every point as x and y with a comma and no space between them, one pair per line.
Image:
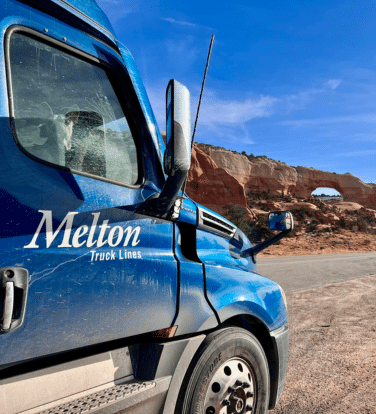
212,186
219,177
352,188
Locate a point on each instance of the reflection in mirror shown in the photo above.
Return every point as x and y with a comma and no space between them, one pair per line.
281,220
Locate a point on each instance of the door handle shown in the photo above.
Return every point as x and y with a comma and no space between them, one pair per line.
14,283
8,305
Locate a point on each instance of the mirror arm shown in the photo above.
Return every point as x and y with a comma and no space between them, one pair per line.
167,204
263,245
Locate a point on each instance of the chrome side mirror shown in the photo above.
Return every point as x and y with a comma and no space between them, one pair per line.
278,220
177,157
281,220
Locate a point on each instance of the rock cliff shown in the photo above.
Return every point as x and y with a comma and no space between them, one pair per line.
218,177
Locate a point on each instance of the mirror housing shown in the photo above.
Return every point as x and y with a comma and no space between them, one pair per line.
281,220
278,220
177,156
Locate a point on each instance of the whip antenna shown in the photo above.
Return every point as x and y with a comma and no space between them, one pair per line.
199,101
202,88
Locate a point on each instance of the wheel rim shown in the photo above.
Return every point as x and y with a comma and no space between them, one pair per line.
232,389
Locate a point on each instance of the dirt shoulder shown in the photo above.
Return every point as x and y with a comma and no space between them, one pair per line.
344,241
332,364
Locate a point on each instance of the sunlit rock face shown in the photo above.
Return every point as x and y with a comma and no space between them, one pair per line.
213,186
218,177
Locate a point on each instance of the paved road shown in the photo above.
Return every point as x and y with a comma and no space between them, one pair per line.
296,273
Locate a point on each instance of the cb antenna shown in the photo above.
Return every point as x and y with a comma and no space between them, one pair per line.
199,101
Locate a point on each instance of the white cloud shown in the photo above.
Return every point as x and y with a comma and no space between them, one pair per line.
333,83
361,153
226,112
369,118
114,2
185,23
297,101
217,113
116,10
181,22
225,133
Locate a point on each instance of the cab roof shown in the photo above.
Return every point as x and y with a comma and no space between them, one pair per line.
87,11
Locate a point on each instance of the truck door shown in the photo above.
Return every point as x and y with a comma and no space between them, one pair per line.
74,171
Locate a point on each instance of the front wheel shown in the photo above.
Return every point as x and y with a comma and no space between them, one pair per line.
229,375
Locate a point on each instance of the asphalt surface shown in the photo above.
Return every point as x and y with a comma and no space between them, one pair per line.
297,273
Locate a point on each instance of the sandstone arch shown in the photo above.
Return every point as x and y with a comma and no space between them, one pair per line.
352,188
219,176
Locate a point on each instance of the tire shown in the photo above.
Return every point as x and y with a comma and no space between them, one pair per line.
228,375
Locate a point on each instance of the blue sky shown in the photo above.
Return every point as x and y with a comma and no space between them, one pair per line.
292,80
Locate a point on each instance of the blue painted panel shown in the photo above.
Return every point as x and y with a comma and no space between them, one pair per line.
20,14
85,295
77,297
188,213
91,9
232,285
233,292
194,310
215,249
144,100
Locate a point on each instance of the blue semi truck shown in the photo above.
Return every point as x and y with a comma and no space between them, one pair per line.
118,293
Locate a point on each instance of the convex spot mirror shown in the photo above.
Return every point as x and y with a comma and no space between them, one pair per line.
177,157
281,220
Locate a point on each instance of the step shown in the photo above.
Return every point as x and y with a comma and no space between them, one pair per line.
134,397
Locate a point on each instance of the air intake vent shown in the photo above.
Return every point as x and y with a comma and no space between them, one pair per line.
214,223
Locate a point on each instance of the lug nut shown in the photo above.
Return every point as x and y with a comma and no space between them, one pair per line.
225,402
248,408
246,384
238,383
231,389
249,394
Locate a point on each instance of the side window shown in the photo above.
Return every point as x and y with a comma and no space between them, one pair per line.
66,112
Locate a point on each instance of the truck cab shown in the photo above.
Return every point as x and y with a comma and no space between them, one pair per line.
117,291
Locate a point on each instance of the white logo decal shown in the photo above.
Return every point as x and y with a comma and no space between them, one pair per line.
82,236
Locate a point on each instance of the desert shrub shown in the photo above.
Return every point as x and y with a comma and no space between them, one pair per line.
364,221
311,228
286,198
307,212
239,216
256,230
320,204
263,195
262,228
302,214
343,223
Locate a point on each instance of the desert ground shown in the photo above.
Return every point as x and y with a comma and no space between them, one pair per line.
324,228
332,363
343,241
